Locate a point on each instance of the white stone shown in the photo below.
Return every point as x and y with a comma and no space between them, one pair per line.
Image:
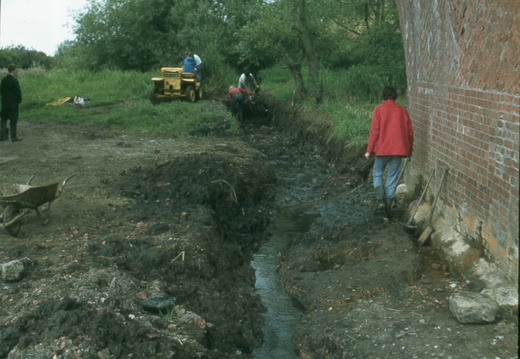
459,246
470,307
12,271
489,274
504,296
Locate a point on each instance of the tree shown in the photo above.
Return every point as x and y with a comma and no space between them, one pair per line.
291,28
24,58
307,36
141,34
311,35
309,39
271,36
122,33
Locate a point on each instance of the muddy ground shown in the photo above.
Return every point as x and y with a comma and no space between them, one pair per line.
147,252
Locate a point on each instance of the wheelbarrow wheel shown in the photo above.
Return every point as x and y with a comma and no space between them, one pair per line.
10,212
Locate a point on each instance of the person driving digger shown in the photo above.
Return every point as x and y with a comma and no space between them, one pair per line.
189,63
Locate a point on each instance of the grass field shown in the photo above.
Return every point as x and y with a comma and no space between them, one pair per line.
117,98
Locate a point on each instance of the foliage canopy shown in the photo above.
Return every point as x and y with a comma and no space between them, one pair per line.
360,39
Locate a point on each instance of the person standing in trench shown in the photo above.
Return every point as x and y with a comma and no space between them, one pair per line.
390,140
237,96
11,99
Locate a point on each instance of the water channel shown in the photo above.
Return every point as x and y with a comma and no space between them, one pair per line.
299,187
282,317
301,201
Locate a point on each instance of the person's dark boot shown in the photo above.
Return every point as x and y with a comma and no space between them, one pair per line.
380,197
14,138
388,207
3,132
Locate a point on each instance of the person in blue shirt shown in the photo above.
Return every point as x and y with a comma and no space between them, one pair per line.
189,63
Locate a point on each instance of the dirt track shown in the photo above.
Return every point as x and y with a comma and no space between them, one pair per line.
150,216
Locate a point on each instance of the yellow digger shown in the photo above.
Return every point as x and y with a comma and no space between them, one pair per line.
175,84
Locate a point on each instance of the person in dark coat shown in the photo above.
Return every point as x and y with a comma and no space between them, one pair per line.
11,99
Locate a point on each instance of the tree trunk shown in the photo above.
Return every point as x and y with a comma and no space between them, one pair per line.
367,14
379,11
296,71
315,85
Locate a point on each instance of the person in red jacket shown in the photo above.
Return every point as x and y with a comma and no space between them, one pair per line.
390,140
237,96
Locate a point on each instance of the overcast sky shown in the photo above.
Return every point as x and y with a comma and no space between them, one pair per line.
37,24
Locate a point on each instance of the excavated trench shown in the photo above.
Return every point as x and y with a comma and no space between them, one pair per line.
308,191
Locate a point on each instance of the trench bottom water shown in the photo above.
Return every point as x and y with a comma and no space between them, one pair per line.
282,316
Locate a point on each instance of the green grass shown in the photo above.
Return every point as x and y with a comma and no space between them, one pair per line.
121,100
168,316
350,116
116,99
351,121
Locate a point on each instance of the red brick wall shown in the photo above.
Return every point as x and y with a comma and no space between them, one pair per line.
463,70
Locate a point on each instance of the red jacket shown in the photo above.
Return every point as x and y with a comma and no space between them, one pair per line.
391,131
236,90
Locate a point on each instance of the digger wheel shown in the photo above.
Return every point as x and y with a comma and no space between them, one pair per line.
153,97
10,212
191,95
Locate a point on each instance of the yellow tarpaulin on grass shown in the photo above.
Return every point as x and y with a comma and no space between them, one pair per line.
59,102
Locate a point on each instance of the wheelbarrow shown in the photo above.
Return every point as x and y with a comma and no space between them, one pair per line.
17,200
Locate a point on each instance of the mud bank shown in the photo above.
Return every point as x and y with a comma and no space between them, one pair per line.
147,254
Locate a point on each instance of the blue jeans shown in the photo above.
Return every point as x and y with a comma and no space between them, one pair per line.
380,164
236,106
199,72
